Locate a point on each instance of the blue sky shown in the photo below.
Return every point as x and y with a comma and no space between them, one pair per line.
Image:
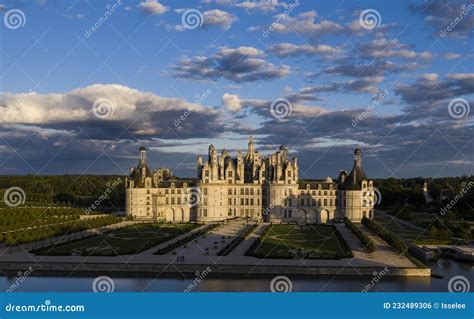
401,88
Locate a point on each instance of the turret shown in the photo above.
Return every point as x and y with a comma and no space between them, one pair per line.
143,154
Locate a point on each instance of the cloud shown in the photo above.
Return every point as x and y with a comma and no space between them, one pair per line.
305,23
261,5
219,18
231,102
450,18
429,88
242,64
130,113
383,49
216,17
153,7
251,6
288,49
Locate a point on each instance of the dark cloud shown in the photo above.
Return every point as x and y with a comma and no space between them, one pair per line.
449,17
242,64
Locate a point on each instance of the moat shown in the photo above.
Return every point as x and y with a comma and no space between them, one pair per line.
445,268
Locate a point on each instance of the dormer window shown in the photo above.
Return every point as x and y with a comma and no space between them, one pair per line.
172,184
308,186
320,186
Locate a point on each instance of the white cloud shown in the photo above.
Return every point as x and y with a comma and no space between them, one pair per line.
231,102
153,7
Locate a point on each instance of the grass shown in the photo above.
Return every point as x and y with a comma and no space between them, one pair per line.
128,240
294,241
417,235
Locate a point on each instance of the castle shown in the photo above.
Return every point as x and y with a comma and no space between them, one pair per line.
248,186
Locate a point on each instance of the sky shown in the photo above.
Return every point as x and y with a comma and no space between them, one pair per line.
84,84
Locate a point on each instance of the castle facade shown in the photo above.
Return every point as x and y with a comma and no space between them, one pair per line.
248,186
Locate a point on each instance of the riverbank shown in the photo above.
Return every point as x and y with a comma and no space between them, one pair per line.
183,270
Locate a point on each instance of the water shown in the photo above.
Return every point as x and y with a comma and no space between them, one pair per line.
445,268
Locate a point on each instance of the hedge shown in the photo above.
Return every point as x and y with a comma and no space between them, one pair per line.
366,240
392,239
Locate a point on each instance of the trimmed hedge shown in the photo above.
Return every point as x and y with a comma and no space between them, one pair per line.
366,240
392,239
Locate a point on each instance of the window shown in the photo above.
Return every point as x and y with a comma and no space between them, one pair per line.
230,174
172,200
251,191
325,202
290,213
251,201
241,201
246,201
246,191
241,191
289,173
230,201
205,191
229,192
206,173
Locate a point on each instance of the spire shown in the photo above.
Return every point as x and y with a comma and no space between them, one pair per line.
357,157
251,148
142,154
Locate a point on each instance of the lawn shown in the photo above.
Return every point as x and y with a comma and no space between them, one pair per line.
295,241
413,233
128,240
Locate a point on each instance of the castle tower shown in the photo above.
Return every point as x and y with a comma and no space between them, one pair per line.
357,192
